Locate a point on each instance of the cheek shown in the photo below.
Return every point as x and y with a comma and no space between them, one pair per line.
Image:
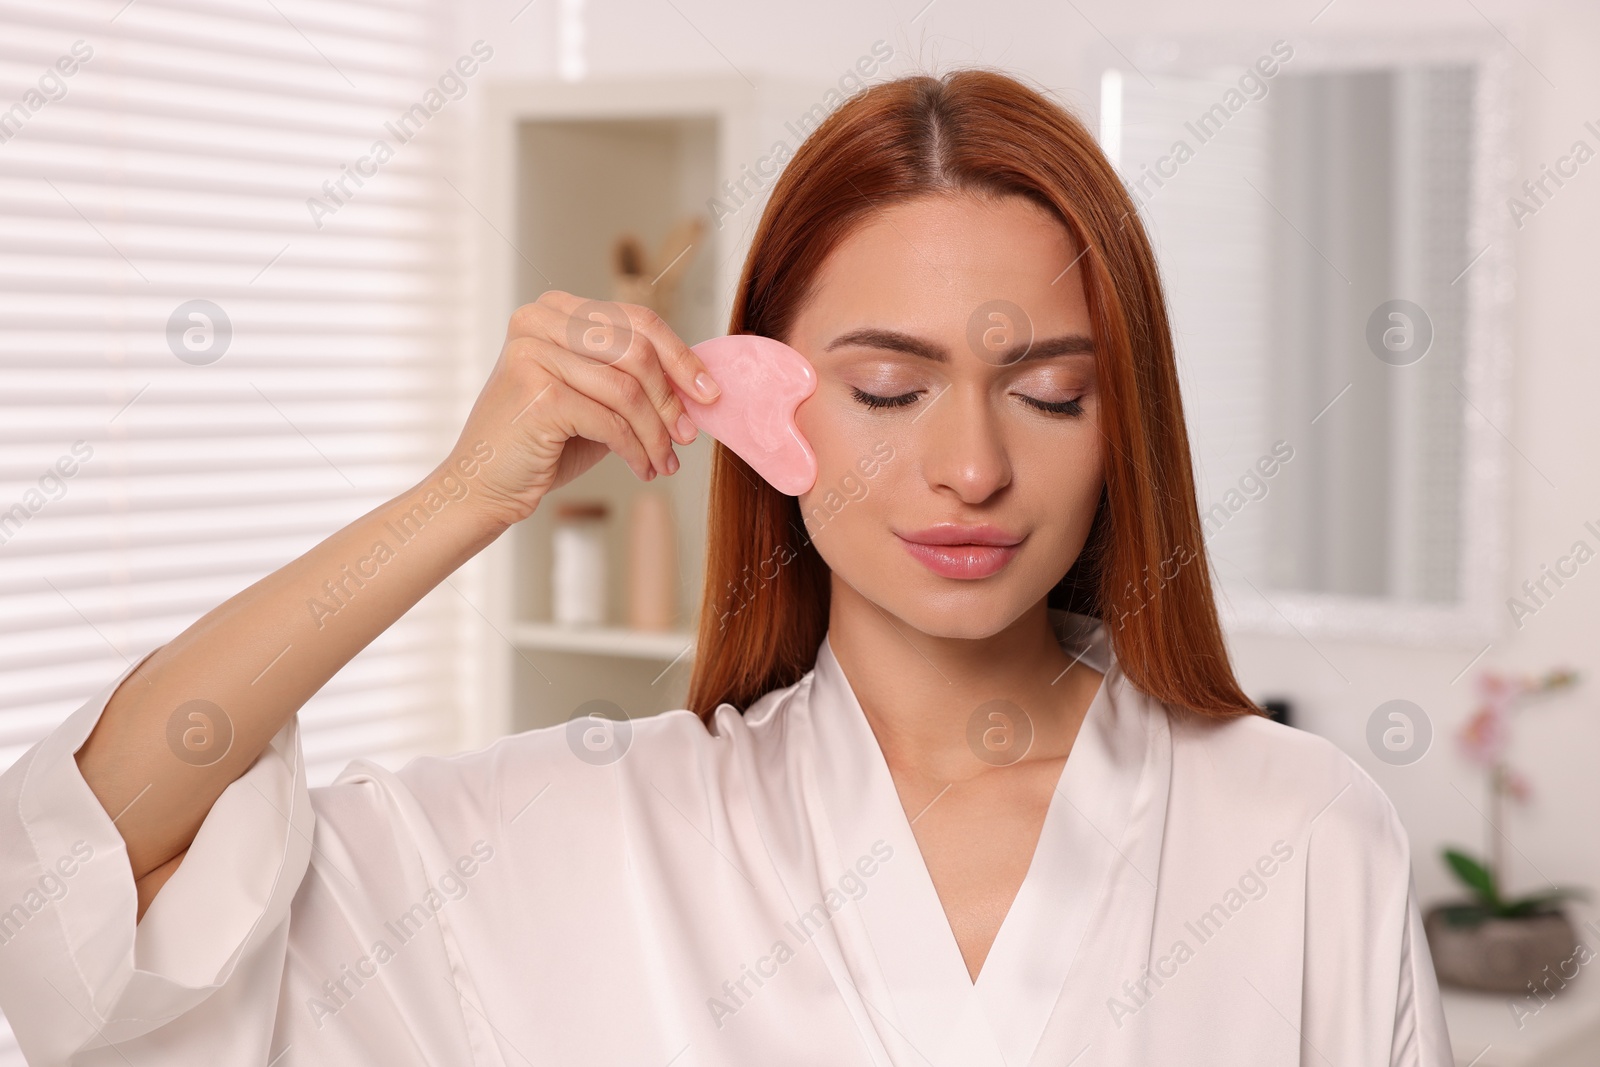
1067,479
844,444
857,466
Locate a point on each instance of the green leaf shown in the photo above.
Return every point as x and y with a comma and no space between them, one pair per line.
1541,903
1474,875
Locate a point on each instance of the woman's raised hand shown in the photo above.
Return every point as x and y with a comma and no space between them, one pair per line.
575,379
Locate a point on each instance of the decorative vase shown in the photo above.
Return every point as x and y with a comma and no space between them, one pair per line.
652,563
1497,955
653,281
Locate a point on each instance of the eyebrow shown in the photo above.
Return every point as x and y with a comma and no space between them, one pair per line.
1071,344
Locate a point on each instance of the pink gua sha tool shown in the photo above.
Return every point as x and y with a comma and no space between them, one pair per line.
762,383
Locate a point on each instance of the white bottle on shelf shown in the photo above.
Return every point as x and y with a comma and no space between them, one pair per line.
578,581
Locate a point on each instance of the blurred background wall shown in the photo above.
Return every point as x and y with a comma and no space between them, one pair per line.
196,155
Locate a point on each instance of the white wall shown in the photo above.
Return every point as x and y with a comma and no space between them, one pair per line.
1556,381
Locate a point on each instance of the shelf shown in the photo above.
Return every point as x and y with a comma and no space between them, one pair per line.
602,641
571,169
1565,1032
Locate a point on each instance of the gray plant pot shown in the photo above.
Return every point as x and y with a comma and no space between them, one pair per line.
1498,955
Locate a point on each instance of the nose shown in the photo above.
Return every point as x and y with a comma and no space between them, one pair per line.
961,444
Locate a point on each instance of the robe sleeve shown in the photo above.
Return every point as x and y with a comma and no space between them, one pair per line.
83,982
1370,994
1420,1036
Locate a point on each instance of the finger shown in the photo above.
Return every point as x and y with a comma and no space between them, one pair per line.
608,331
579,415
676,357
543,317
644,363
617,390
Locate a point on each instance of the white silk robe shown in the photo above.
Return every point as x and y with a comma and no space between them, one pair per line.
1236,894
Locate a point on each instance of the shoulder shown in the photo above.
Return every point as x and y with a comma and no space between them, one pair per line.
1260,767
581,764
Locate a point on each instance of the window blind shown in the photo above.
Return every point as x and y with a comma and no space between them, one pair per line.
1208,228
202,374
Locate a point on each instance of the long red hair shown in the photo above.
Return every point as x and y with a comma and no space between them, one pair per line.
1143,570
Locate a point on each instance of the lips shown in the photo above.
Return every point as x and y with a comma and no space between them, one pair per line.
953,551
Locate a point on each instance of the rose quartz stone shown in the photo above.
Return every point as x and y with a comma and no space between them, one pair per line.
762,383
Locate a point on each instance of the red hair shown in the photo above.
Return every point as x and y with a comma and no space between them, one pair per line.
1143,570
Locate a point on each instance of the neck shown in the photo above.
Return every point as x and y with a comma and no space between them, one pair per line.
921,692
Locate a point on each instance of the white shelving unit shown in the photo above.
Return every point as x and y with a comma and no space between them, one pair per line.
603,641
565,169
1565,1032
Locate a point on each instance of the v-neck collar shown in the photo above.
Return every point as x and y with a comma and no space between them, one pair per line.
927,998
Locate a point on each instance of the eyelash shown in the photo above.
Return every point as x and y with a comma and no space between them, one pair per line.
1071,408
883,401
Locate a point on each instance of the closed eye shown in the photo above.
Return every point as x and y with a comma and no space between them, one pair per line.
873,401
1071,407
1058,407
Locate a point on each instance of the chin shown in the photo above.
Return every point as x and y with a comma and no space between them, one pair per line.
970,610
961,626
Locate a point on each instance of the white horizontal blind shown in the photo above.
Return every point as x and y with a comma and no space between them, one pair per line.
173,164
1208,227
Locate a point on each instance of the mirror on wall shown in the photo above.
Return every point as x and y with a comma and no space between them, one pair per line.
1333,236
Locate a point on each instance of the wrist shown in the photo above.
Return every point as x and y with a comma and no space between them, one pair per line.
458,484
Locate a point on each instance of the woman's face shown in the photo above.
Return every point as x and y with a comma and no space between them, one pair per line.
956,396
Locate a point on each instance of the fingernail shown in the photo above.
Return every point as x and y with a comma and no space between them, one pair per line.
672,463
686,429
708,388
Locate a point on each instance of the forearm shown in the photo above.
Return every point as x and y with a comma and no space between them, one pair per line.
201,709
197,714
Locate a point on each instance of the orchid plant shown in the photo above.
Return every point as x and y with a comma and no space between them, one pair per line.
1485,740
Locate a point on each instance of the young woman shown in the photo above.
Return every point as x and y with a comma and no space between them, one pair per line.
965,778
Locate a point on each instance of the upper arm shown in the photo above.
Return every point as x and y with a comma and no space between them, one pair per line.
1357,951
